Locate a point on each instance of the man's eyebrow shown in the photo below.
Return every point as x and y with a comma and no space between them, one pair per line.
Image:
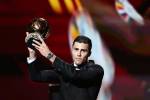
75,48
84,49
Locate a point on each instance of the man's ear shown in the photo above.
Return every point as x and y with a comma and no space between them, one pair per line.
89,53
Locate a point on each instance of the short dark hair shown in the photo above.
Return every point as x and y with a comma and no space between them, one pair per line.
83,39
144,6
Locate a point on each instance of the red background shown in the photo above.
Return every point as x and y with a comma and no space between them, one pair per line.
131,69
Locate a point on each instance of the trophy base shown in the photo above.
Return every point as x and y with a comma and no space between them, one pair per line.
30,41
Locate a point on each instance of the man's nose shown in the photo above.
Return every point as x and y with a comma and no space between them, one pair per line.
79,53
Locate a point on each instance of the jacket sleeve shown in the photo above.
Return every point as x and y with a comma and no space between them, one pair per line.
91,74
37,74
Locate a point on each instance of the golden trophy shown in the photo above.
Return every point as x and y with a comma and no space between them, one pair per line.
38,26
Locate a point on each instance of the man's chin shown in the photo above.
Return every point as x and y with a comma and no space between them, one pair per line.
78,63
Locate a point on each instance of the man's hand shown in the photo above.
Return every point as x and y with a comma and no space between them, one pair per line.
41,46
32,54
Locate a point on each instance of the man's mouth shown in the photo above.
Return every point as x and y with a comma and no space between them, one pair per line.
78,58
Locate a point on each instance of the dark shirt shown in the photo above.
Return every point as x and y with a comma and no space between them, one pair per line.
75,84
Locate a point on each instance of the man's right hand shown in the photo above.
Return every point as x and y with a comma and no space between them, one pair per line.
32,53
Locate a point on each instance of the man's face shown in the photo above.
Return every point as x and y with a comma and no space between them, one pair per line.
80,52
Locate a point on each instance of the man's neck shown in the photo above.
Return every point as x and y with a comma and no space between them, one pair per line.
80,64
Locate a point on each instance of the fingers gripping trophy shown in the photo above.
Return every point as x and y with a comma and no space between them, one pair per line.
38,26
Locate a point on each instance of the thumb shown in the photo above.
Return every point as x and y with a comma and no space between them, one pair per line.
27,33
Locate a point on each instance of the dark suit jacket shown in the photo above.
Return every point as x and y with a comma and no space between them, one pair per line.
75,84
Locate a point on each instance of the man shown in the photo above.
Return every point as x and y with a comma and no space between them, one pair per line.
81,23
78,81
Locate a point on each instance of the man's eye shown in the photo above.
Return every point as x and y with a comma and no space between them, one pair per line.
76,49
84,50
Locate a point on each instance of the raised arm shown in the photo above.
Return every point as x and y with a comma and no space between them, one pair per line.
43,49
37,73
37,68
